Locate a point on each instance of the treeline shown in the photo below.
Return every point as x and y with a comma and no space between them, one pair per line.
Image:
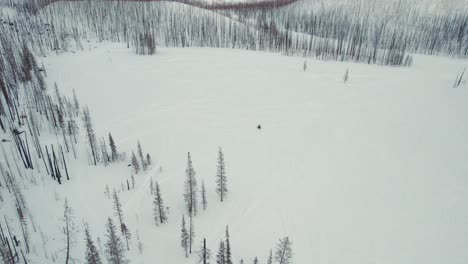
63,25
375,31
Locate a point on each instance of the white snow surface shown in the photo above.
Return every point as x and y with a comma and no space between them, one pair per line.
371,171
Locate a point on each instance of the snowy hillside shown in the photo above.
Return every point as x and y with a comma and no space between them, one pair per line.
323,132
351,172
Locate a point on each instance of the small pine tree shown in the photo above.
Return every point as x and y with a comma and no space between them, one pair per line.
158,203
91,253
221,256
203,195
305,66
76,104
283,253
142,158
190,194
191,234
221,179
114,247
119,214
114,153
255,261
148,160
91,136
228,247
270,257
184,237
204,254
135,165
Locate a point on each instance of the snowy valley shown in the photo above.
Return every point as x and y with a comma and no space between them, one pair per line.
251,135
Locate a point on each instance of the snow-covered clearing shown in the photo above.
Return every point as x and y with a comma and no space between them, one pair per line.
372,171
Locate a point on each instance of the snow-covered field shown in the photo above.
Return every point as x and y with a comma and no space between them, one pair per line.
371,171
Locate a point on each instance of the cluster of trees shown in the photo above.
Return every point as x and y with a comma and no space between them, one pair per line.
142,162
166,24
372,31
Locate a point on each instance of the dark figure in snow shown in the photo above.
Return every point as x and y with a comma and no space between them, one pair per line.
259,127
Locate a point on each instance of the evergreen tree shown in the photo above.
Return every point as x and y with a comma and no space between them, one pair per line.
91,253
114,248
91,136
255,261
76,104
158,203
203,195
135,165
148,160
228,247
204,254
191,233
69,230
270,257
221,256
114,153
184,237
221,179
190,194
142,158
283,253
119,214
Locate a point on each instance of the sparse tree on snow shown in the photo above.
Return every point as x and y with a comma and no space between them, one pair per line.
184,237
114,247
221,255
204,254
158,205
142,158
283,253
203,195
190,194
91,253
91,136
135,165
113,147
221,178
228,247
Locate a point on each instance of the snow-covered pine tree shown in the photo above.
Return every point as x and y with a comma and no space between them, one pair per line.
118,209
204,254
135,165
91,253
190,194
158,205
113,147
184,237
114,247
221,255
191,233
104,154
91,136
120,216
228,247
203,195
142,158
69,230
283,253
304,67
76,104
255,261
221,179
148,160
270,257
